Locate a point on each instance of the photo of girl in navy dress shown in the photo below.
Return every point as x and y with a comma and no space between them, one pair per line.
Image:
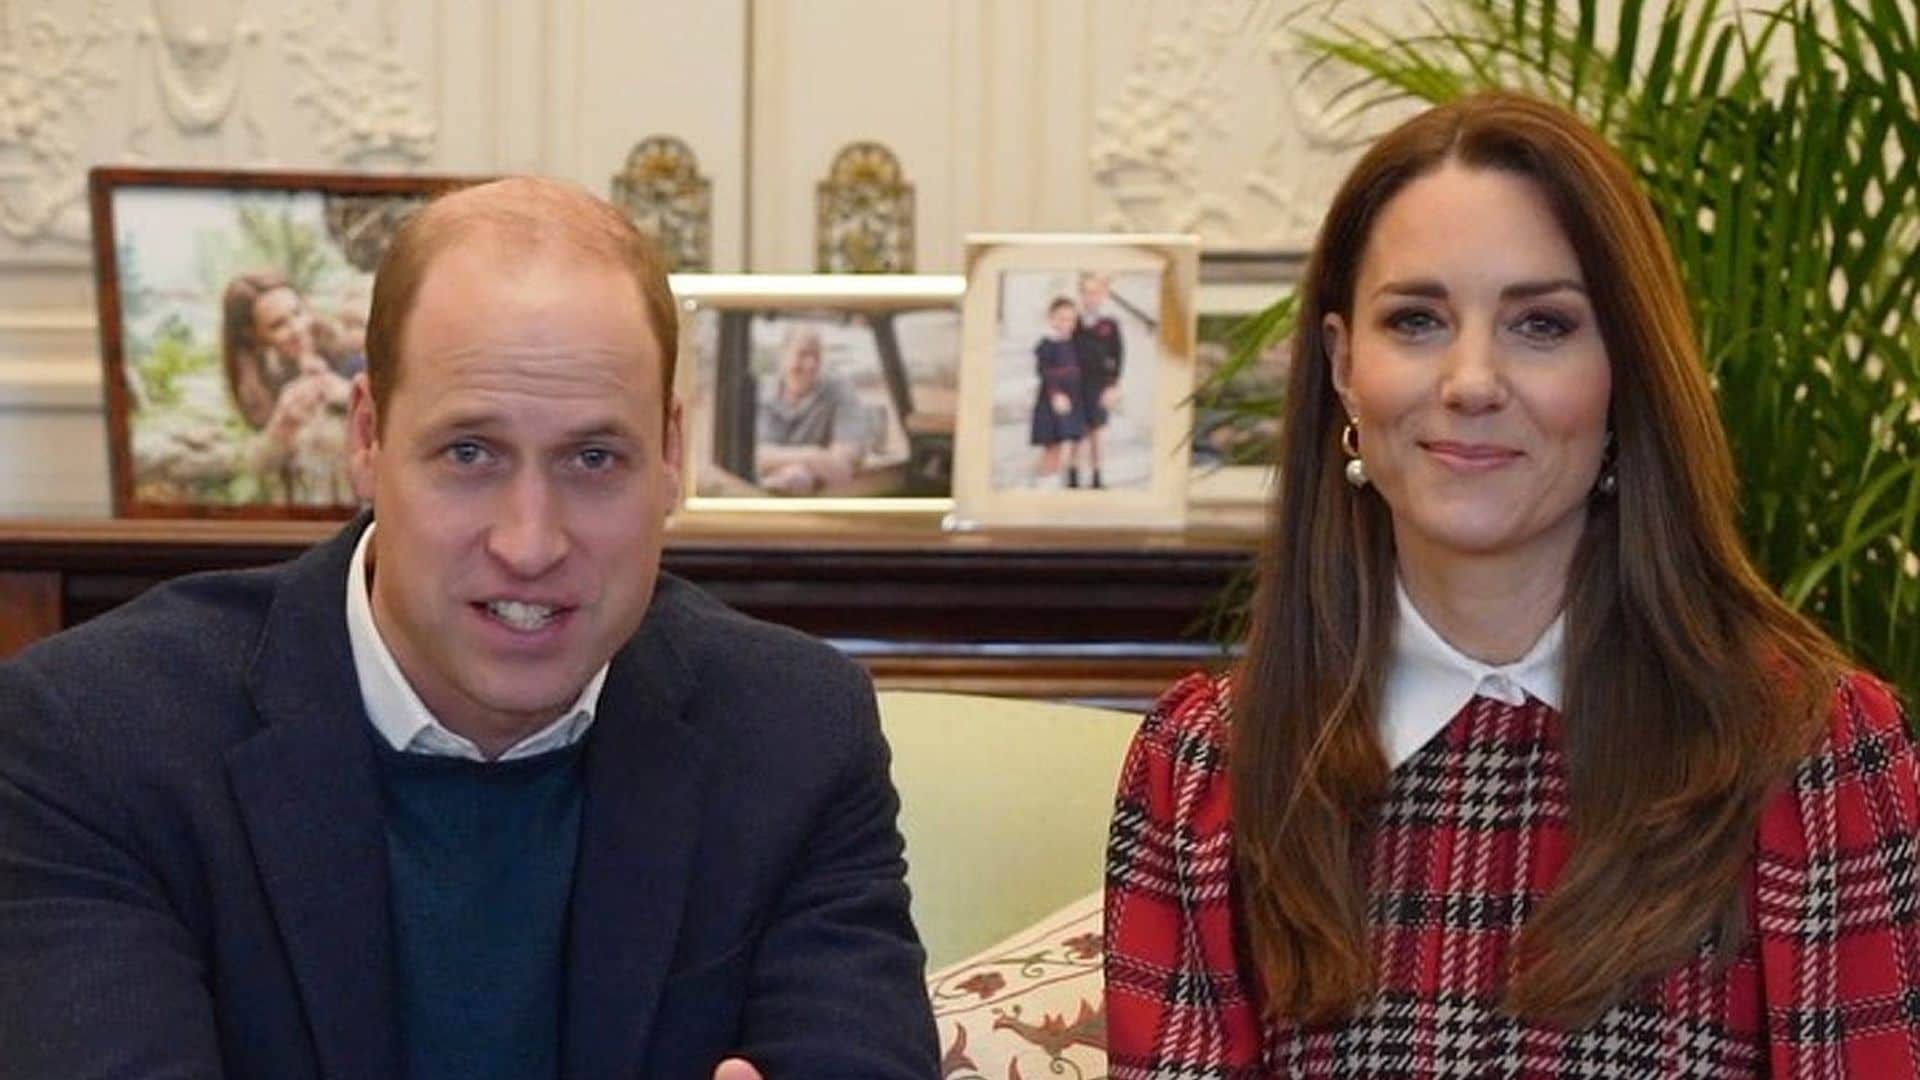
1059,412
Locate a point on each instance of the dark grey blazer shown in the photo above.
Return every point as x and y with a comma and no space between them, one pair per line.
193,870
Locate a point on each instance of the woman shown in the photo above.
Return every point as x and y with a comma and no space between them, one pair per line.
1526,771
289,375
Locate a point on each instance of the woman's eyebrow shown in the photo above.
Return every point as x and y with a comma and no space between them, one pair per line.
1432,289
1526,290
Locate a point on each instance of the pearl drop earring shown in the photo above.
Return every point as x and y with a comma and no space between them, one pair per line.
1350,444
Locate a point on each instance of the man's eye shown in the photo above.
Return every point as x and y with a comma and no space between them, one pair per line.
597,459
466,452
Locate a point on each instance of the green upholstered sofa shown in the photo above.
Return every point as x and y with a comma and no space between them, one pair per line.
1004,804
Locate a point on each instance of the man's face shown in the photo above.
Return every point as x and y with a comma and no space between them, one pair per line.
802,367
521,484
1093,294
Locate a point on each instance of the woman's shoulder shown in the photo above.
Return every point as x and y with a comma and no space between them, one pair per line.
1866,732
1173,791
1182,743
1857,786
1198,708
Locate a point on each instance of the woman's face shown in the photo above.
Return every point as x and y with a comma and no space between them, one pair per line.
1474,364
281,323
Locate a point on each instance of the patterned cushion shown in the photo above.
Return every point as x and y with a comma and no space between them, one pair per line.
1030,1006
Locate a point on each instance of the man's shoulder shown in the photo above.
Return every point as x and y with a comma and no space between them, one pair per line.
166,628
148,696
838,390
709,637
175,658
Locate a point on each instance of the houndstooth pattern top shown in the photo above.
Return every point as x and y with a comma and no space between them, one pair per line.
1471,835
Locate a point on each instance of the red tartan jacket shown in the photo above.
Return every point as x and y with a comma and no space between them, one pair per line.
1472,834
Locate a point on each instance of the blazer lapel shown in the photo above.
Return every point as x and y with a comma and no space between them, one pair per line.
311,803
643,774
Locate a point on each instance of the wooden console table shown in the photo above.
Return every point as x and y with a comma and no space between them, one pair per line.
1107,616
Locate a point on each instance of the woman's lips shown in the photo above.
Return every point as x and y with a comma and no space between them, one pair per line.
1470,457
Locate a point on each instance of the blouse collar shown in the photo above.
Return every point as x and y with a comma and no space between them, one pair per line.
1430,681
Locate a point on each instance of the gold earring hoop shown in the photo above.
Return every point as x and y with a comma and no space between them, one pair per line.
1350,445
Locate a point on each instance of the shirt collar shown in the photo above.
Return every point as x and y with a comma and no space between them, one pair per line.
1429,681
397,712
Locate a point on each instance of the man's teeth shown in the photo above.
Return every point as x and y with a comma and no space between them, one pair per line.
521,616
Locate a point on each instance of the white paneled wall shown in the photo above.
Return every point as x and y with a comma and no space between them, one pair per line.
1006,114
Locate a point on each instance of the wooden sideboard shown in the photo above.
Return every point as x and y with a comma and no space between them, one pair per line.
1078,615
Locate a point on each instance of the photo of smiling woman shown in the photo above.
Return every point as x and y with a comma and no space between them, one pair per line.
290,373
1526,772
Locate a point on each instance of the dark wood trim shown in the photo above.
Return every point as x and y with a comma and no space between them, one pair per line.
1108,617
29,608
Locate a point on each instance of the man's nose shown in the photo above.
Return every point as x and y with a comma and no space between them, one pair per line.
529,534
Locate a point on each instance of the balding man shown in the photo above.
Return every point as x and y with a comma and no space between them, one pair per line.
471,789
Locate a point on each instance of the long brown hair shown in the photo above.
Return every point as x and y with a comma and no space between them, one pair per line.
254,388
1712,687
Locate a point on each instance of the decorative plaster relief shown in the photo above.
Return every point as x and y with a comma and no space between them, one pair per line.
370,103
48,72
1221,126
199,50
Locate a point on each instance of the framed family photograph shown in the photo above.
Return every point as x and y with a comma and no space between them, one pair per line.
1075,406
233,311
819,393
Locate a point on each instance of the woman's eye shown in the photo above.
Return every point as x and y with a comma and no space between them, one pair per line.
1544,326
1413,322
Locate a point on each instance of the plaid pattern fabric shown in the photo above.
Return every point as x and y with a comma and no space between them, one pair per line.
1472,834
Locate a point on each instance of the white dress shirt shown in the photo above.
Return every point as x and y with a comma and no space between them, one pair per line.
397,712
1429,680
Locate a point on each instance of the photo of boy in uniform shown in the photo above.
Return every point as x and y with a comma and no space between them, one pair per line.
1098,343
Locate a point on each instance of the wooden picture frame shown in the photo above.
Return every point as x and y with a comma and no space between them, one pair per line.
200,419
1075,390
815,394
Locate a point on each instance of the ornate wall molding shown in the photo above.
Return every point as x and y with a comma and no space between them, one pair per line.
1222,126
50,70
198,52
370,103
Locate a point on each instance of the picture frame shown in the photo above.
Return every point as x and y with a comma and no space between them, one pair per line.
232,310
1216,483
818,394
1076,381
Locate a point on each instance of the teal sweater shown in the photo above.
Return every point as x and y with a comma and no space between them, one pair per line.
480,857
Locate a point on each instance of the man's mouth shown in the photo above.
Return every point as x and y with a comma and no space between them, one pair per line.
520,614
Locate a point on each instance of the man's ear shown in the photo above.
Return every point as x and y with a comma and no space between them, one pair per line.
673,453
1339,342
363,439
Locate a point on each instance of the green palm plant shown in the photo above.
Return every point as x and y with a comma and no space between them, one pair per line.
1782,151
